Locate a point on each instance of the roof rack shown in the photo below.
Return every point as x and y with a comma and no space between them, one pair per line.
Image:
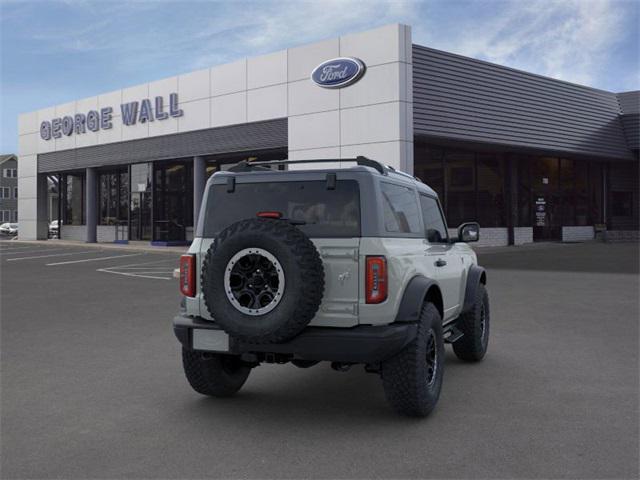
245,166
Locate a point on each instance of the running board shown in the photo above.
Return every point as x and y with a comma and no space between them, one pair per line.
452,335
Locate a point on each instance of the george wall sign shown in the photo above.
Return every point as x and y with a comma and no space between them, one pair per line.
94,120
338,72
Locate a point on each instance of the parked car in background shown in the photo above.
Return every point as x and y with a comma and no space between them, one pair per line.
9,229
54,229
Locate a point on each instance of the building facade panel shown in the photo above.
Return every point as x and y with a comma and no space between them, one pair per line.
256,136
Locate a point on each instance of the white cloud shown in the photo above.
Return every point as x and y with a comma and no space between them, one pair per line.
569,40
269,26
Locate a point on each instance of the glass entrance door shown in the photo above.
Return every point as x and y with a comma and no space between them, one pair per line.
140,220
140,213
546,201
173,201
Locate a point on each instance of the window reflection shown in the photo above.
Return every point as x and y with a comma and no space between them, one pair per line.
73,199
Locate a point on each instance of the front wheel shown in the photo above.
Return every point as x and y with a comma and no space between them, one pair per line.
412,379
214,374
474,325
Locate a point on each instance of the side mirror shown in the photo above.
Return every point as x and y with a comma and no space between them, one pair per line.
469,232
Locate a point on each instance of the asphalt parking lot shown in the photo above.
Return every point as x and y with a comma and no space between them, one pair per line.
92,385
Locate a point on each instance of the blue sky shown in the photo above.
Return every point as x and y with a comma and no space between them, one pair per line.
57,51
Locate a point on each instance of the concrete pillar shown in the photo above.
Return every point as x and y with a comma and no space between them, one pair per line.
199,182
512,197
91,207
42,215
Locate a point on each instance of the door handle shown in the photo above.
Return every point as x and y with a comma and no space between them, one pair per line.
440,263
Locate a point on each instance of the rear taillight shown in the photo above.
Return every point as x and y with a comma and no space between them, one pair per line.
376,280
188,275
269,215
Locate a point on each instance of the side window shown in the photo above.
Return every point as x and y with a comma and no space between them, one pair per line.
436,230
401,214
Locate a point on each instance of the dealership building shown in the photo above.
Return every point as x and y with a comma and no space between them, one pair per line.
530,158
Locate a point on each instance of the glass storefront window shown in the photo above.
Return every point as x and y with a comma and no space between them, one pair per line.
491,199
549,192
173,201
523,176
141,177
567,191
73,199
113,198
428,167
460,187
623,199
581,172
123,202
596,188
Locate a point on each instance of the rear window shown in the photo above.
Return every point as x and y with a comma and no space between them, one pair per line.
316,210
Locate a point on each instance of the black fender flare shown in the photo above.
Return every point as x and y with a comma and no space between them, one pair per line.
475,277
413,298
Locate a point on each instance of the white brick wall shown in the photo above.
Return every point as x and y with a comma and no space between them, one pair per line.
489,237
577,234
107,233
522,235
74,232
493,237
613,236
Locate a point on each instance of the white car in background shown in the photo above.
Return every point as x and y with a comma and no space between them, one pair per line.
54,229
9,229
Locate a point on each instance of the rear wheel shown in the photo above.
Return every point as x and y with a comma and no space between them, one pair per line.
412,379
214,374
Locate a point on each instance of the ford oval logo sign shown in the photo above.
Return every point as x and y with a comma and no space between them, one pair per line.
338,73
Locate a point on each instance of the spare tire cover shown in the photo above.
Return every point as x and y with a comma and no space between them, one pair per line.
262,280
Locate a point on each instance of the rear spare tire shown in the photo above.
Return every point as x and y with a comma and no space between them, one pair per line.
262,280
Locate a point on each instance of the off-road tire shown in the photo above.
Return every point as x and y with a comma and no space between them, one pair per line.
214,374
472,347
405,375
303,272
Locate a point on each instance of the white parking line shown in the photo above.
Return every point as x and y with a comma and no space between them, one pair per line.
143,270
139,275
38,250
52,255
92,259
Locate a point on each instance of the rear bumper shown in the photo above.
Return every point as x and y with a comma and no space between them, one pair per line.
361,344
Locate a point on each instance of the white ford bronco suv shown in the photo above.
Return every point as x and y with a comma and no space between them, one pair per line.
347,265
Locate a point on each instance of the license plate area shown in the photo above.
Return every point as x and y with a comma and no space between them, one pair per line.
210,340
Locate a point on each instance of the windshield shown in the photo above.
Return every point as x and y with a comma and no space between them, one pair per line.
311,206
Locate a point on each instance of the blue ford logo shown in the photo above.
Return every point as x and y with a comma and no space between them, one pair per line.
338,73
